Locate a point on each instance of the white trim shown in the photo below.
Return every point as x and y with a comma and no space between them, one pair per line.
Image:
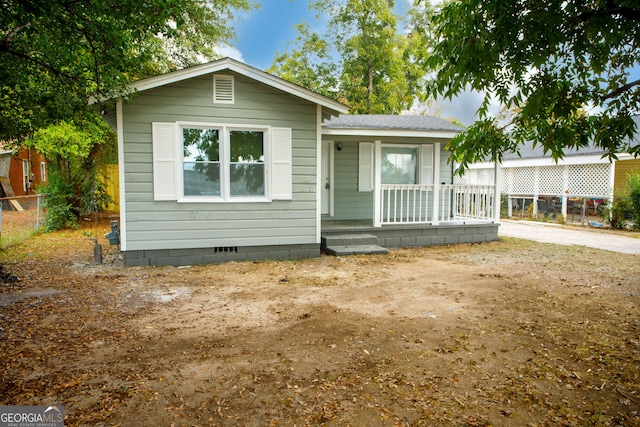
377,159
123,210
245,70
331,147
318,174
396,133
572,160
436,184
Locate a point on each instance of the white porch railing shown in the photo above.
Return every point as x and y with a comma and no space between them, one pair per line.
414,204
406,204
467,203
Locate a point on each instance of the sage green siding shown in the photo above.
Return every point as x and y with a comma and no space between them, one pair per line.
349,203
171,225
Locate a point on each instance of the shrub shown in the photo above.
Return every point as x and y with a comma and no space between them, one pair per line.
633,192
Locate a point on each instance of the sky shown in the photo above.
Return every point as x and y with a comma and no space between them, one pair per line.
261,33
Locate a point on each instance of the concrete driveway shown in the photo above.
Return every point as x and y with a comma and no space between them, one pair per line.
555,233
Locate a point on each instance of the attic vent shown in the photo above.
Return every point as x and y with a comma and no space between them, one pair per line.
223,89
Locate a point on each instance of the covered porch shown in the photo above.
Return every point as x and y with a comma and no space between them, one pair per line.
389,177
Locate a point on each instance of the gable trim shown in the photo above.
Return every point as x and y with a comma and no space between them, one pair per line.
242,69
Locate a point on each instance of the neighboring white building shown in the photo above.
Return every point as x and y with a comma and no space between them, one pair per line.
581,174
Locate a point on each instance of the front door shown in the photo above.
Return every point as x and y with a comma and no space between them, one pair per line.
325,176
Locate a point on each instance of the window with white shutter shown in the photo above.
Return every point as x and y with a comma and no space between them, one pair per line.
221,163
365,167
164,161
426,165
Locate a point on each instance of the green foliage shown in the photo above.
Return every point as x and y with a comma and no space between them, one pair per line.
74,150
378,71
626,207
617,212
633,191
59,210
563,67
56,54
309,64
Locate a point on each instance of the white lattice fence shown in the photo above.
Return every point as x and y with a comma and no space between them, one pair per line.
551,180
589,180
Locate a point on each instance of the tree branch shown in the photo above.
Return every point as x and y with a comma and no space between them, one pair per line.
43,64
609,10
620,90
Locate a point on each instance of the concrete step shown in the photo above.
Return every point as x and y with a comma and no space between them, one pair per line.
344,250
348,239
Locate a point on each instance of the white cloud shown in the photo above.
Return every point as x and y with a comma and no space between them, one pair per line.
229,51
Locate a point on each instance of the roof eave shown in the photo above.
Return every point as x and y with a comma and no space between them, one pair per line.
408,133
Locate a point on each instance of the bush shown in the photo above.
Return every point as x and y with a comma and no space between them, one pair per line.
633,191
626,207
59,210
617,213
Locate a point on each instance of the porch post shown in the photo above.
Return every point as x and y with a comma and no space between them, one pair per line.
377,184
565,193
435,220
497,175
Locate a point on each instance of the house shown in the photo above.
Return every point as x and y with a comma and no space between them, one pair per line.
21,172
222,161
531,177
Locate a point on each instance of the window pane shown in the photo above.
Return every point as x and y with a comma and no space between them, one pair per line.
201,145
201,178
201,168
399,165
246,168
247,179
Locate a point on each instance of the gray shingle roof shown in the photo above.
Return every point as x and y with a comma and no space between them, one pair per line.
382,121
527,151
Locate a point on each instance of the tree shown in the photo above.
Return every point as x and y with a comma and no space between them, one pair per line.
562,66
309,64
376,70
56,54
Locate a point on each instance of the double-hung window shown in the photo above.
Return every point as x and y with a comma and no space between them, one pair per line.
223,162
200,162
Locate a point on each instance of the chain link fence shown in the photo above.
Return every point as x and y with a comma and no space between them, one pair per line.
20,218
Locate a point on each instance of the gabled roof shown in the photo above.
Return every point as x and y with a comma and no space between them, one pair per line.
399,125
228,64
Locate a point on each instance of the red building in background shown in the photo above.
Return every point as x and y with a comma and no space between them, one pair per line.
21,172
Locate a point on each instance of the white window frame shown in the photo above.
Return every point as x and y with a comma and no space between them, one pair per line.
26,174
421,167
225,159
43,171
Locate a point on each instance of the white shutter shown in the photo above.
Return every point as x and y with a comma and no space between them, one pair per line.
281,168
426,165
223,89
365,166
165,159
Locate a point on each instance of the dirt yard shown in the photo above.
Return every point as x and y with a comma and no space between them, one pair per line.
510,333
